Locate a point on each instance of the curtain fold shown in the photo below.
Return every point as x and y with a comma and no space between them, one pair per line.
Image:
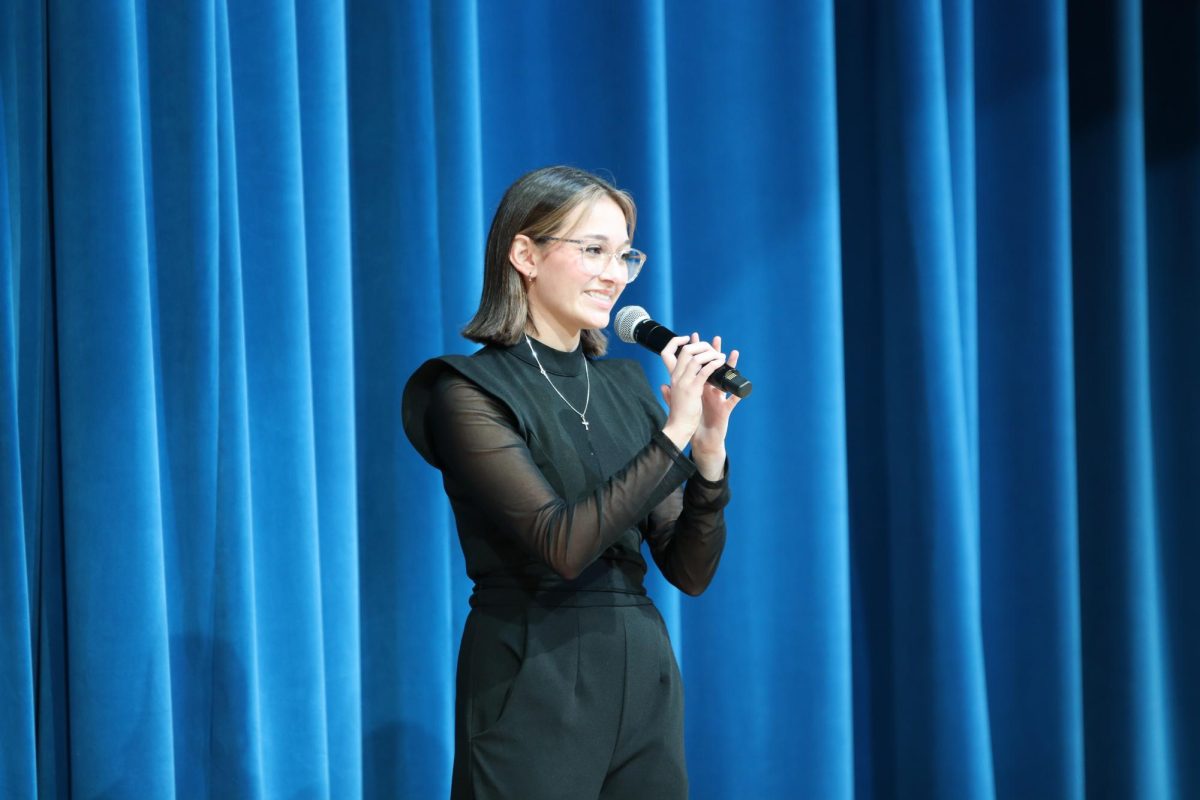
755,245
411,587
1028,508
17,774
118,707
325,139
912,295
954,241
1126,749
1171,113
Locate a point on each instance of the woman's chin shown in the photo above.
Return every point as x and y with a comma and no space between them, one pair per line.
598,321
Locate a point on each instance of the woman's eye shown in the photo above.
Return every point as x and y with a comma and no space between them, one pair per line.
593,250
629,257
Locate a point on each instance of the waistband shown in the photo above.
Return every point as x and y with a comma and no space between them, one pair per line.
608,586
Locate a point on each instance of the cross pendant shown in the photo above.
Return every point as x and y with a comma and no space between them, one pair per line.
586,426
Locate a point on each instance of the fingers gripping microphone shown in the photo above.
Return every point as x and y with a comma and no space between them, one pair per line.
633,325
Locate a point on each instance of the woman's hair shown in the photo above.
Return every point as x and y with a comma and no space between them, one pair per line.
537,205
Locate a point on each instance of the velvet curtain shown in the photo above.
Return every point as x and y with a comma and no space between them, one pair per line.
956,242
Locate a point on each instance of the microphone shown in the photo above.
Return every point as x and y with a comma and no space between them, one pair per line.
633,325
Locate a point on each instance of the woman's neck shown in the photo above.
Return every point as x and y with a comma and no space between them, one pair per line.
552,336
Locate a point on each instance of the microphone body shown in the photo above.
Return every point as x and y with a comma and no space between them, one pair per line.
633,325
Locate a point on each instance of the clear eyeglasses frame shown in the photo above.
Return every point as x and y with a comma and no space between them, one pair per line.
596,256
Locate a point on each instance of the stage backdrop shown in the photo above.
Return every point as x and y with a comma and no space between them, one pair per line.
956,243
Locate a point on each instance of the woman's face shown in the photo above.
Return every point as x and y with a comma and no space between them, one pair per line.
565,297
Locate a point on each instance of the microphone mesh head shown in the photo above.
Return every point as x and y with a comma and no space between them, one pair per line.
627,319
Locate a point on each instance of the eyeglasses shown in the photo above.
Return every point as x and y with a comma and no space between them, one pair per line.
596,256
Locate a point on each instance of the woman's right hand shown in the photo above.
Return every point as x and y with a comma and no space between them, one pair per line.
689,369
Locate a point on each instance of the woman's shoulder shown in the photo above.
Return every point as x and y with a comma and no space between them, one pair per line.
442,382
445,367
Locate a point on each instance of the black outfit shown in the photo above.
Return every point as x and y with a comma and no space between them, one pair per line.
567,686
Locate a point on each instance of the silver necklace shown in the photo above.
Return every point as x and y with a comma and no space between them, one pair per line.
588,399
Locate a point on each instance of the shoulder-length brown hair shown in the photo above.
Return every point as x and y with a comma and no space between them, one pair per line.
537,205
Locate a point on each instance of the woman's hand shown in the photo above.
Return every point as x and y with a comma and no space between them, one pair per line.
708,442
699,413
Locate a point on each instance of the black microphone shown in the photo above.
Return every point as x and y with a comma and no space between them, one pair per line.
633,325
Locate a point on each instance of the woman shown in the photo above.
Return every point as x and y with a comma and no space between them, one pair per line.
558,465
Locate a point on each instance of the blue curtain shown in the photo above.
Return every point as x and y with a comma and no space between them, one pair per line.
956,241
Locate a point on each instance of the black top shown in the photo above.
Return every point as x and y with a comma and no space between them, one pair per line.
545,504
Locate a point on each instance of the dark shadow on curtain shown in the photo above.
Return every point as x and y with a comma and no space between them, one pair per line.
1171,87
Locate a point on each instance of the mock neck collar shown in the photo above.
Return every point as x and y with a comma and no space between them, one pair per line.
556,362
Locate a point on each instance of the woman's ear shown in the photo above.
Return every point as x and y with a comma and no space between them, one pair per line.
523,256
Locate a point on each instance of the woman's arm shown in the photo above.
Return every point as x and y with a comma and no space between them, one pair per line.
686,532
487,462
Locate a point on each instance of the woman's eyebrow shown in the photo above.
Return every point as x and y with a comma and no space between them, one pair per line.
599,236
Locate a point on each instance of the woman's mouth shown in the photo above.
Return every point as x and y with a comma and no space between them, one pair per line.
602,298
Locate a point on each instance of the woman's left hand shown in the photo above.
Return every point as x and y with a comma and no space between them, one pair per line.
708,442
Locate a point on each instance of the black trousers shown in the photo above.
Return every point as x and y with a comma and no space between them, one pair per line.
568,703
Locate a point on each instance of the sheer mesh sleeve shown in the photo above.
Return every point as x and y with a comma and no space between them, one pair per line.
484,458
686,532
